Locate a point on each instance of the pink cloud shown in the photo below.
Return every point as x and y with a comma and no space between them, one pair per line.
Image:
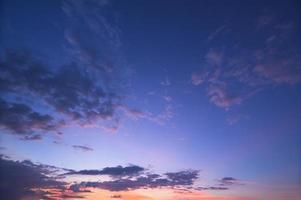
221,97
281,71
214,57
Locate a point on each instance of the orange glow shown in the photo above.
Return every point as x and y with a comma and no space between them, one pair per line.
156,194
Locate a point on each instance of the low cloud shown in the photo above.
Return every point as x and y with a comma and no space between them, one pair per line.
19,179
118,171
178,179
25,179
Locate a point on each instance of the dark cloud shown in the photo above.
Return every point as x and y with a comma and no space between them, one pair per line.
227,181
21,119
70,90
32,137
19,178
82,148
71,196
183,177
178,179
213,188
118,171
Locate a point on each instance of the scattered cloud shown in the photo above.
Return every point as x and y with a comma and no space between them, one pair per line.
198,78
160,118
70,91
222,97
166,81
218,31
82,148
235,118
214,57
50,182
233,73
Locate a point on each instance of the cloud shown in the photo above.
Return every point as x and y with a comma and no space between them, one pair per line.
83,91
18,179
227,181
214,57
183,177
235,118
82,148
218,31
233,73
281,71
222,97
116,196
177,179
32,137
197,78
166,82
118,171
213,188
20,119
70,90
94,41
160,118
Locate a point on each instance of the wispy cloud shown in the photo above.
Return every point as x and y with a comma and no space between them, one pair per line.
227,181
234,73
82,148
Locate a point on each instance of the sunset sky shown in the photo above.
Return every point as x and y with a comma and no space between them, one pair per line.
150,100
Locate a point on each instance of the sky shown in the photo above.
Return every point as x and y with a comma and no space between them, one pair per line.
150,100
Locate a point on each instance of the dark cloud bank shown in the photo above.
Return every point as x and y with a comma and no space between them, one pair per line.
19,179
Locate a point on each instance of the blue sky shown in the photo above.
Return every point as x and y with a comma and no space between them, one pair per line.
167,85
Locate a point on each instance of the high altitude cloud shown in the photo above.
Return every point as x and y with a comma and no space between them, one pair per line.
94,40
233,73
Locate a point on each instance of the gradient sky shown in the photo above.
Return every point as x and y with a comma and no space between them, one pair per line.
161,99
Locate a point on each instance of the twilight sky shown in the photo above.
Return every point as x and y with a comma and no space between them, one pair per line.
150,100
